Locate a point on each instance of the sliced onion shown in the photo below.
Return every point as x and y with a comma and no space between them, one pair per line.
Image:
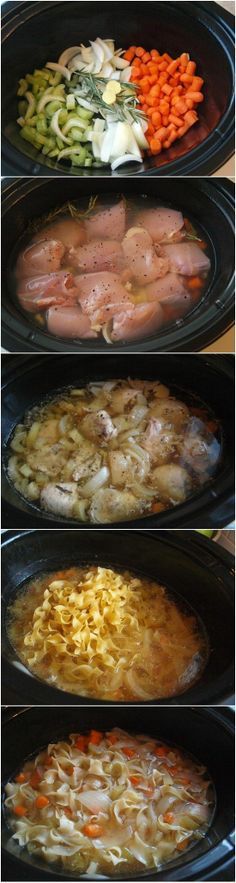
95,801
127,157
56,128
67,55
60,68
135,686
96,482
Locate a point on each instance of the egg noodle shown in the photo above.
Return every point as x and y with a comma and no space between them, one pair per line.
105,634
100,802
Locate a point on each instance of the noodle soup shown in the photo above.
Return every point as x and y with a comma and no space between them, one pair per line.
107,635
113,451
108,803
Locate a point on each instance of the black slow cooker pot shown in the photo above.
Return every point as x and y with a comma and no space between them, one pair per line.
207,733
36,32
207,202
194,569
27,380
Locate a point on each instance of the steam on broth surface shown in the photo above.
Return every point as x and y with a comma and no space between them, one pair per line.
99,633
122,271
113,451
109,803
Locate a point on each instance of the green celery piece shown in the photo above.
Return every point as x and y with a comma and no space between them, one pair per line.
29,135
51,108
77,134
79,159
22,107
41,126
42,74
84,114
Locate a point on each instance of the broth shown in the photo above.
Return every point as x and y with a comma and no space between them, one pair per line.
109,803
120,271
113,451
99,633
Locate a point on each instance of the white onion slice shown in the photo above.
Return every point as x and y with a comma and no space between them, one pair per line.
135,686
128,157
68,54
60,68
95,801
96,482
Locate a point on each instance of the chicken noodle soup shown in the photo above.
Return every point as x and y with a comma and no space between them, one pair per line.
108,803
96,632
113,451
122,271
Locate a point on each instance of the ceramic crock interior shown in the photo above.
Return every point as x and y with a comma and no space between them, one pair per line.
170,561
206,203
173,27
195,731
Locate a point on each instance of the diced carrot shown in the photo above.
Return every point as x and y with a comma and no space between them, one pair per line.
191,67
172,67
195,282
177,122
130,752
184,58
68,810
92,830
156,118
135,780
20,778
157,507
81,743
173,769
41,801
185,781
95,737
155,146
20,810
112,738
155,54
168,818
139,51
161,750
146,57
197,84
35,779
182,844
185,78
130,53
69,770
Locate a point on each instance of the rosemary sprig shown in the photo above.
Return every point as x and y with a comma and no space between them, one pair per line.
70,207
92,87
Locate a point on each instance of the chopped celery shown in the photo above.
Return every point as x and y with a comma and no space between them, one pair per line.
42,73
41,126
77,134
29,78
88,162
55,79
22,108
54,153
70,102
32,121
79,158
23,86
60,143
84,114
51,108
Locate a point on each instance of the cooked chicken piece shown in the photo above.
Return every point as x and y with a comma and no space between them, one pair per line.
84,468
48,433
160,443
98,426
123,398
69,322
70,232
187,258
59,498
172,482
44,257
141,258
139,321
112,505
107,224
200,450
171,412
47,461
120,465
162,223
100,254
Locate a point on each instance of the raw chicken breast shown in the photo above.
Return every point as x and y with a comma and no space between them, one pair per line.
162,223
138,321
41,292
100,295
108,224
170,292
69,322
98,255
141,258
44,257
187,258
71,233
